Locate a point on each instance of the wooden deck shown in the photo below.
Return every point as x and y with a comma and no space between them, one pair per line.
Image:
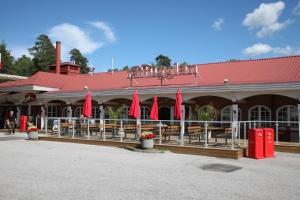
210,151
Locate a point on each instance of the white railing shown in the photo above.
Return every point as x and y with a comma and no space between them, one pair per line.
177,132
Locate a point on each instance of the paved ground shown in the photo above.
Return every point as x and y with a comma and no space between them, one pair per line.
49,170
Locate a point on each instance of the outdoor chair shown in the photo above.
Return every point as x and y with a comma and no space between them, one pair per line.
65,127
195,132
227,134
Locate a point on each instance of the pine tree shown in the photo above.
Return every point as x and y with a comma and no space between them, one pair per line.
7,59
80,60
23,66
43,53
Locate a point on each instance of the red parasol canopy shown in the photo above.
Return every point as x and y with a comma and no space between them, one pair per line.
87,108
135,106
177,110
154,110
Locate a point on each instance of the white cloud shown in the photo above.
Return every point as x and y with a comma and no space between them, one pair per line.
296,10
265,19
218,24
73,36
109,34
259,49
283,51
19,51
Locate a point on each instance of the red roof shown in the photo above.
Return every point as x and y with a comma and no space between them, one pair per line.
260,71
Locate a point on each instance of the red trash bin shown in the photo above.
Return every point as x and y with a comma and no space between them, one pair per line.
268,142
23,123
256,143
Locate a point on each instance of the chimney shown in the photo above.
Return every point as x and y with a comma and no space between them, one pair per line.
57,57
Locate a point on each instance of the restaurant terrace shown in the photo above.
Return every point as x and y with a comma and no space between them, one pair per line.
220,101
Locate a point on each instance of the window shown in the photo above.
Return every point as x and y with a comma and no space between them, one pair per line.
289,114
78,112
260,113
226,114
52,111
65,112
96,112
145,112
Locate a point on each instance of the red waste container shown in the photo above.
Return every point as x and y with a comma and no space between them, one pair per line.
268,142
256,143
23,122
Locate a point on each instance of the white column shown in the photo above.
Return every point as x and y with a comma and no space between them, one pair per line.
102,116
102,112
235,119
69,111
139,124
42,117
182,125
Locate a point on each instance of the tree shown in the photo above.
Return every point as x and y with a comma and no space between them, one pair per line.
43,53
80,60
23,66
162,61
125,68
233,60
115,70
183,64
7,59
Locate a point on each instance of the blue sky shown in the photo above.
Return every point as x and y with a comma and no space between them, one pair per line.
134,32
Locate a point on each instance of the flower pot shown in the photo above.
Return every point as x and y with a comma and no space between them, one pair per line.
33,135
147,143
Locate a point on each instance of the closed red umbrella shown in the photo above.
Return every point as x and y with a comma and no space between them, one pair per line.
87,108
135,106
154,110
177,110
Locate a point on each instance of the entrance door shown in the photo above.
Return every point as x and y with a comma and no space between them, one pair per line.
164,113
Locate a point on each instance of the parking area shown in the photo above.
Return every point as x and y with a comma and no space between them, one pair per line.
52,170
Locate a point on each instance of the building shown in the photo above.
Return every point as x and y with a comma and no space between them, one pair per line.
260,90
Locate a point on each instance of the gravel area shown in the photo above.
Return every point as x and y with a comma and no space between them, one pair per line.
51,170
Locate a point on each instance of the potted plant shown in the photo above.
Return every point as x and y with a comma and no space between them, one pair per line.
32,131
116,114
147,139
208,114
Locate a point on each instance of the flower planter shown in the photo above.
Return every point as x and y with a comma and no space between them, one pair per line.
147,143
33,135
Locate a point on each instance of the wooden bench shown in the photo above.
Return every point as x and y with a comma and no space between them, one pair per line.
227,134
149,127
129,128
195,131
171,130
